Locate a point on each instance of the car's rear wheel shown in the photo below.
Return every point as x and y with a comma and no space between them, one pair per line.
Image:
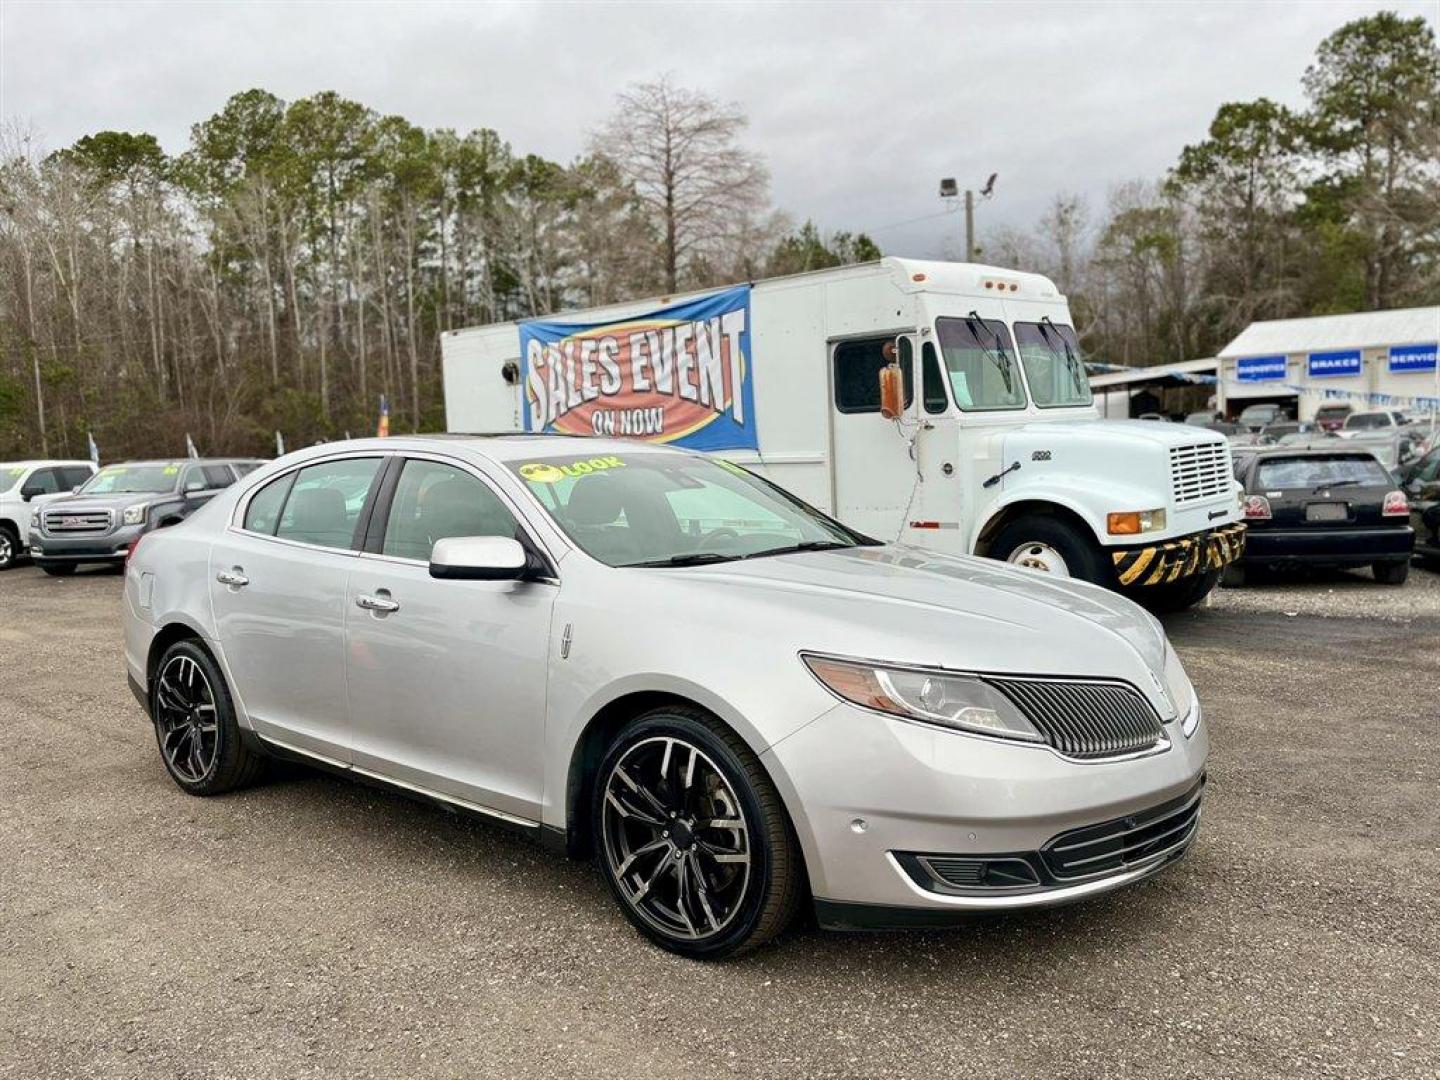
1392,573
195,727
692,837
9,546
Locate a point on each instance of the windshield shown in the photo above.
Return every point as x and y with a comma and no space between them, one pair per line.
1053,367
981,363
136,479
649,509
1312,472
10,476
1367,420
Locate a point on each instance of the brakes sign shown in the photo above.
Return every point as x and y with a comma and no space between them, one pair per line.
679,374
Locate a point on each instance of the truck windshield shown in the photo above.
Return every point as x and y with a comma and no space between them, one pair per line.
132,479
10,476
665,509
1053,368
981,363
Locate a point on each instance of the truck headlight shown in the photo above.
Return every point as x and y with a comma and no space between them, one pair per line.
932,697
35,519
134,515
1180,692
1134,522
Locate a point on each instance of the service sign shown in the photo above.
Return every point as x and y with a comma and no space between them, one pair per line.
680,374
1260,368
1412,358
1329,364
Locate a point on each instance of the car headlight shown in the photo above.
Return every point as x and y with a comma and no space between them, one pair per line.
932,697
1134,522
1180,692
35,519
134,515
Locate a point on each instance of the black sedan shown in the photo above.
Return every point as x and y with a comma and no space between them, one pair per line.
1322,508
1420,481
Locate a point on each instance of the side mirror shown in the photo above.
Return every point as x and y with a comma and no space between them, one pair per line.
27,492
478,558
892,392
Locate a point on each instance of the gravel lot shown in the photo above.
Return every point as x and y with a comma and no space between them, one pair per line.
312,926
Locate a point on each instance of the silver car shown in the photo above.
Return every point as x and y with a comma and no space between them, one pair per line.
735,703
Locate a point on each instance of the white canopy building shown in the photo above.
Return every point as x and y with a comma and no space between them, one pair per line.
1369,360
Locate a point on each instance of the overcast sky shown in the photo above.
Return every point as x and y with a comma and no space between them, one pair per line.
858,109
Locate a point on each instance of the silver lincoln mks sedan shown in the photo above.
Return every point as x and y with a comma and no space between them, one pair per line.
733,702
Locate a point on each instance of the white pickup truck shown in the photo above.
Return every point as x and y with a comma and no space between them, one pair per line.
996,447
24,487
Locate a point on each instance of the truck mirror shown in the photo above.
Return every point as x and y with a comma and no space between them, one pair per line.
892,392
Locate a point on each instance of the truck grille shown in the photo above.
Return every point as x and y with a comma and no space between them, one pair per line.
77,523
1200,471
1086,719
1118,845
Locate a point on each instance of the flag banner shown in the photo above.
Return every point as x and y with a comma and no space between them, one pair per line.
1423,402
681,374
1405,358
382,429
190,446
1325,365
1260,368
279,444
93,448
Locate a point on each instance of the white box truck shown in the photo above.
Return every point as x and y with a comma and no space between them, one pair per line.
997,449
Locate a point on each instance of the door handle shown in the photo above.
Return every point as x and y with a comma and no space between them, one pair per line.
381,604
234,578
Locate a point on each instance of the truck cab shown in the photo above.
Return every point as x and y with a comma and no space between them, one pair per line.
25,486
1011,460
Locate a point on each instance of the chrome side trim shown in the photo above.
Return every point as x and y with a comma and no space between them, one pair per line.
429,793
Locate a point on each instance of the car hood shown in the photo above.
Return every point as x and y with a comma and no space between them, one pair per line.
1141,432
906,604
80,503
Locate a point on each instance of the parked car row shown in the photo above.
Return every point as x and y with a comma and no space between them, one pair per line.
64,514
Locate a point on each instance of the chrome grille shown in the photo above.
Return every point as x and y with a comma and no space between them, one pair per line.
1125,842
77,522
1200,471
1086,719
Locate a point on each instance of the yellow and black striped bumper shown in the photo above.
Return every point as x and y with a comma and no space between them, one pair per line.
1175,559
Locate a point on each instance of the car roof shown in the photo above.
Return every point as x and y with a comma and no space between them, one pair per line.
148,463
32,463
506,446
1338,450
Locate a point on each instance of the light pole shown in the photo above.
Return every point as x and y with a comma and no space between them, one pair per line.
949,190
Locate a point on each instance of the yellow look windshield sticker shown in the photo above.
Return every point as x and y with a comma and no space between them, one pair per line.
545,472
171,470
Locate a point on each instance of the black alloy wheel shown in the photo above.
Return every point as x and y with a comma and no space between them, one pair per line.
692,836
200,742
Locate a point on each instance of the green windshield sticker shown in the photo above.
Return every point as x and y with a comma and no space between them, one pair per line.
730,466
171,470
16,472
544,472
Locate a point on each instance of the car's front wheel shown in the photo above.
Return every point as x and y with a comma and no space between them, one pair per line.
9,547
195,727
692,837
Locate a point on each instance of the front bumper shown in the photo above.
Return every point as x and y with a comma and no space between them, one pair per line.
870,795
1330,546
1162,563
111,546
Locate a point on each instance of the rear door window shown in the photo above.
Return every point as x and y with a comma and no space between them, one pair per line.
1280,474
218,476
263,513
325,502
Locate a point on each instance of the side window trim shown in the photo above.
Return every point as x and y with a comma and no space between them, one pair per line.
288,479
242,505
376,515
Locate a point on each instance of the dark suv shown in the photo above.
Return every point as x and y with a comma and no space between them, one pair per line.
110,510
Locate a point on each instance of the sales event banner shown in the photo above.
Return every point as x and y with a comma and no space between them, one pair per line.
1412,358
1260,368
680,374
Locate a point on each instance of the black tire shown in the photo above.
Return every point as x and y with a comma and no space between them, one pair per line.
1234,576
1176,595
9,546
229,761
757,908
58,569
1083,557
1392,573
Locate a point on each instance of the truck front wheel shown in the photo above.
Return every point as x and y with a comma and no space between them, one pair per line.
1052,546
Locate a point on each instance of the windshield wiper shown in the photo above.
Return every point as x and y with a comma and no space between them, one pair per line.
690,558
804,545
1070,361
996,357
1327,486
